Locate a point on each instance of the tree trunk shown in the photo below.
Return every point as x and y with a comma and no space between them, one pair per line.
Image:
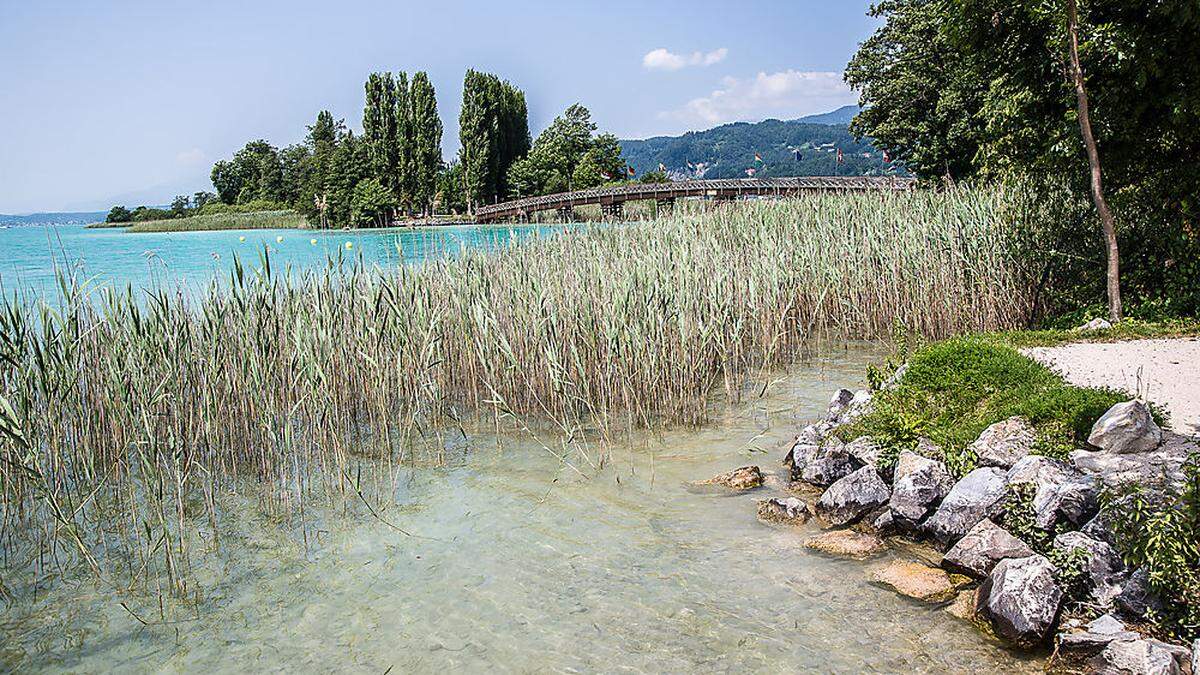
1089,141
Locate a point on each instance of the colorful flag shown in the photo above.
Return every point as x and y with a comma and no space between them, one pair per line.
840,158
751,171
662,167
632,172
757,157
887,159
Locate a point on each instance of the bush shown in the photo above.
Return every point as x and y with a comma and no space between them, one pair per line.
254,206
954,389
1162,533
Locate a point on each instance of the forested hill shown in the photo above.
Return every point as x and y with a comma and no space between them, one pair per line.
803,147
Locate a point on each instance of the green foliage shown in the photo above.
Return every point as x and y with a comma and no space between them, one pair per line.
1071,571
1162,533
119,214
232,219
1020,518
372,204
568,155
954,389
787,148
220,208
426,145
493,133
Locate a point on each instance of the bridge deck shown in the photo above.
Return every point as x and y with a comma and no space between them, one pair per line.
719,189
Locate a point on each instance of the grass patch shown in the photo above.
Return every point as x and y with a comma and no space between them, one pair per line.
258,220
954,389
1128,329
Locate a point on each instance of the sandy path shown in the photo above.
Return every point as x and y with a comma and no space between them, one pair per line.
1166,372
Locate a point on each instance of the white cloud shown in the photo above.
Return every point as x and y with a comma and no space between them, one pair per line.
787,94
661,59
193,157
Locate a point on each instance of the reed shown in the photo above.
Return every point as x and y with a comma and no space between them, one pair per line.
124,418
255,220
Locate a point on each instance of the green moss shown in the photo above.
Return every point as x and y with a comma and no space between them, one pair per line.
954,389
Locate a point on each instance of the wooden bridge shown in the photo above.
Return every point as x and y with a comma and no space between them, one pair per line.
612,199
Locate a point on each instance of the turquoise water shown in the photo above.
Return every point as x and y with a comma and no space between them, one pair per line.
30,255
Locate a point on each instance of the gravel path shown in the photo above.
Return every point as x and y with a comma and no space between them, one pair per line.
1166,372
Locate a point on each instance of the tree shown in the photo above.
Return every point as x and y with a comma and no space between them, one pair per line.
381,132
119,214
201,198
227,181
493,133
179,206
372,204
426,143
450,198
567,156
1107,222
402,187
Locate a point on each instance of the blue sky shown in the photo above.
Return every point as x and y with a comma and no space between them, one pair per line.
133,101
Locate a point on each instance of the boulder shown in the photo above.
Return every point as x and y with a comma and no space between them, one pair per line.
963,606
1136,657
919,486
853,496
1136,598
742,478
810,435
786,511
799,457
1021,599
1096,637
1061,494
916,580
980,494
828,464
865,451
1005,443
838,404
1105,569
978,553
859,405
1158,469
882,521
1126,427
1095,324
846,543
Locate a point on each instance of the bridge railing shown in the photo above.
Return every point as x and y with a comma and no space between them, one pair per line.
689,188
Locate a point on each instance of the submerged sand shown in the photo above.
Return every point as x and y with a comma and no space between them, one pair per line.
1166,372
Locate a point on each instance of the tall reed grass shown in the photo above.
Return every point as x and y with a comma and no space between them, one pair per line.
125,417
255,220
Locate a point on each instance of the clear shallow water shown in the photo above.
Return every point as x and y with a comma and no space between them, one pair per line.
529,567
29,254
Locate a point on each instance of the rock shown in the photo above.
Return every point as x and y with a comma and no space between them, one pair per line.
1136,657
1105,570
977,553
914,580
1126,427
838,404
828,464
882,521
742,478
1004,443
846,543
865,451
1060,492
1196,656
1021,599
963,606
919,486
786,511
1097,636
1136,598
1095,324
1160,469
980,494
851,497
859,405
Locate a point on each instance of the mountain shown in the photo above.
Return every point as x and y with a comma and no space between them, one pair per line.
802,147
840,117
74,217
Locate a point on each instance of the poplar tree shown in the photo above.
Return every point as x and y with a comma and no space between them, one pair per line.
380,131
402,186
426,145
477,139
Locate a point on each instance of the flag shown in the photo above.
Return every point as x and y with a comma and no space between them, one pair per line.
632,172
757,157
607,176
887,159
751,171
840,157
797,153
662,167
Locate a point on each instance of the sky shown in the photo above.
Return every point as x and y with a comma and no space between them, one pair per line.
132,101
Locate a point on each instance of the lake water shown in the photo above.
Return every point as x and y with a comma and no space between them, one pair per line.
29,255
520,563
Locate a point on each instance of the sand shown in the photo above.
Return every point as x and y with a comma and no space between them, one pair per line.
1166,372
